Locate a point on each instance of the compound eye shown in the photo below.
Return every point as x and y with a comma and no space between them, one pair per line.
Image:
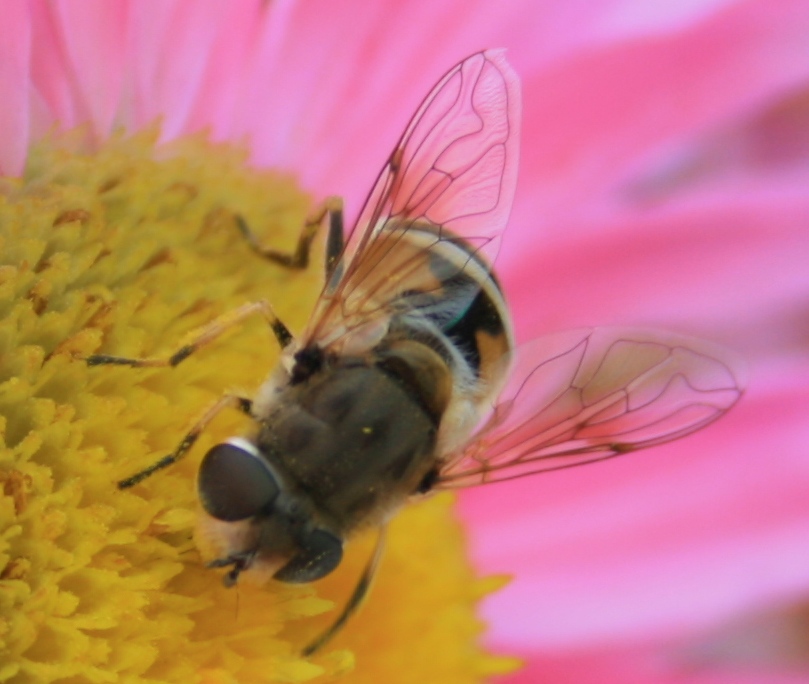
234,483
320,553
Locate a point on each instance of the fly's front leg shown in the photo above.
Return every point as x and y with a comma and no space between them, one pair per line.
207,334
228,400
240,562
331,208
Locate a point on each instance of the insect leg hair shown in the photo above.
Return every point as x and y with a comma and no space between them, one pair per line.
207,334
228,400
360,591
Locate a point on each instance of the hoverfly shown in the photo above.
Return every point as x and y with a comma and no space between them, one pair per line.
407,379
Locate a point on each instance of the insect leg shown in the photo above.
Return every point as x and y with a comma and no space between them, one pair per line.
360,591
209,333
333,208
240,562
335,241
228,400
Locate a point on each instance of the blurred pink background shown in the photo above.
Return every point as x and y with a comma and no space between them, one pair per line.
664,182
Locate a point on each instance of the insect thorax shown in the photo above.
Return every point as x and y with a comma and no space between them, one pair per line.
356,438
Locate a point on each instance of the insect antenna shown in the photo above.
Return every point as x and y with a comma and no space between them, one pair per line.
360,591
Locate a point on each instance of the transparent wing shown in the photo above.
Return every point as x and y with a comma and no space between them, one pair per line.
450,178
589,395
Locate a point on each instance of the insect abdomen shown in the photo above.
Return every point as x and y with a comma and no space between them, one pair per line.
466,306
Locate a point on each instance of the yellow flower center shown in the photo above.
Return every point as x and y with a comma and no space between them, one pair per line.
127,251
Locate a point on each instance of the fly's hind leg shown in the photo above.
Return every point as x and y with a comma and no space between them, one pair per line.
331,208
206,335
228,400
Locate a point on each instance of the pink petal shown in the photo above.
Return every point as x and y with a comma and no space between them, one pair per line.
78,60
730,266
761,647
15,55
345,102
589,120
49,74
171,55
769,146
636,664
225,86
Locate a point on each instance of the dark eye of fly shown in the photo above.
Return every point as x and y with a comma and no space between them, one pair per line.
234,484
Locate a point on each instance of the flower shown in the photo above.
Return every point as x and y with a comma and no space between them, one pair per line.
662,183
